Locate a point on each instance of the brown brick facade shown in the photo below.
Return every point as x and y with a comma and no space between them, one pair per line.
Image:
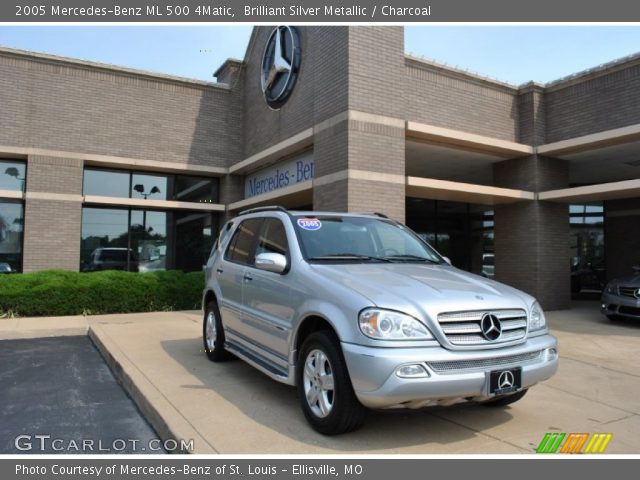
356,90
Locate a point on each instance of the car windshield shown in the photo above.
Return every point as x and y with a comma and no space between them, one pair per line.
345,238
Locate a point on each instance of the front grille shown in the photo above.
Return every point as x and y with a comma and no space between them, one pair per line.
456,365
629,310
463,328
627,291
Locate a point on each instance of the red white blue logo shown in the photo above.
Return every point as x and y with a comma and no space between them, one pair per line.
309,223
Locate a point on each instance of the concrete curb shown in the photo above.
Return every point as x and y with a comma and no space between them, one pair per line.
38,327
166,420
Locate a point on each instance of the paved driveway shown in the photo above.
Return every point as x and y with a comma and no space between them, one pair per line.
61,387
232,408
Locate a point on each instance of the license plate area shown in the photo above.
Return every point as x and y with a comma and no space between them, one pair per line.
502,382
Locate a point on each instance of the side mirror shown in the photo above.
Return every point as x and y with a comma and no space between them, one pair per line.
271,262
448,260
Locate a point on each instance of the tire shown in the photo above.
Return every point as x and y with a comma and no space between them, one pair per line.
213,338
330,411
505,400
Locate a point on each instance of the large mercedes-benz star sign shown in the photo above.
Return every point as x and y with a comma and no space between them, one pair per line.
280,65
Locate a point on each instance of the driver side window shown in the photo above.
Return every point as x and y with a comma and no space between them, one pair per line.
240,246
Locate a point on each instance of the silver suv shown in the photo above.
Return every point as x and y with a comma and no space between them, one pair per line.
358,312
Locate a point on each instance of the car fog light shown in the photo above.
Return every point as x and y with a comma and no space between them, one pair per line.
552,354
412,371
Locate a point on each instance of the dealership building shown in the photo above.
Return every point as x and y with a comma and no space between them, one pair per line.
537,185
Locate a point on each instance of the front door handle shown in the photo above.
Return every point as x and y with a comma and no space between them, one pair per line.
219,270
248,277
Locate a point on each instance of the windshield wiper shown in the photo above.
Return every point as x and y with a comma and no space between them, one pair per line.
350,256
411,257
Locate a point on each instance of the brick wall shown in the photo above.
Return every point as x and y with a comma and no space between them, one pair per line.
59,105
52,227
449,99
532,116
320,92
376,70
532,238
601,102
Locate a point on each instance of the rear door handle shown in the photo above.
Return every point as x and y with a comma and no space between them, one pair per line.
219,270
248,277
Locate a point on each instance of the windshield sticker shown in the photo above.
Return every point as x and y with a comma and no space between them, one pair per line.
309,223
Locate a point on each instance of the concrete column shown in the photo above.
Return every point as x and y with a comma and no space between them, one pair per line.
360,153
53,213
231,190
532,238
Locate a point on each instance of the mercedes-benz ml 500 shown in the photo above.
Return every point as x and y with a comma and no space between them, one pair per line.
359,312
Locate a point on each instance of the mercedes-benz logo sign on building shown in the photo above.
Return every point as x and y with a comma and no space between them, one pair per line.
280,65
491,327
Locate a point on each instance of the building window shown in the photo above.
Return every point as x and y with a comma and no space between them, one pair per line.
106,183
12,175
151,186
145,240
463,232
11,222
12,178
588,271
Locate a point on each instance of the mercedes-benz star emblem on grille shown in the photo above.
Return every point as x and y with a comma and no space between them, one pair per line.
506,380
491,327
637,293
280,65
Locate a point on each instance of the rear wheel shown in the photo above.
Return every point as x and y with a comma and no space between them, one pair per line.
504,400
213,334
324,387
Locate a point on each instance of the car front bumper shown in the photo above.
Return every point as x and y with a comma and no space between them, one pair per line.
453,376
619,305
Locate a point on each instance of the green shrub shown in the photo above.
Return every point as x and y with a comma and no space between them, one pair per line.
59,292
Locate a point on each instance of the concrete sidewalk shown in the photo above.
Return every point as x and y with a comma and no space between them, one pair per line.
232,408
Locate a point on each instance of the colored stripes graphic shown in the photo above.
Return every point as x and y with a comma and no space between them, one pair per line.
574,442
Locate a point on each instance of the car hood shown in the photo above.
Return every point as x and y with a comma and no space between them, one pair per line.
423,288
632,279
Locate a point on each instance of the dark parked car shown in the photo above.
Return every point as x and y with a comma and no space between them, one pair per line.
621,297
112,258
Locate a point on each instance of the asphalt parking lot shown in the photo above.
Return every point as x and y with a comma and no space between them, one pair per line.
61,388
232,408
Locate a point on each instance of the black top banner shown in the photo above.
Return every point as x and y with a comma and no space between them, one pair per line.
315,11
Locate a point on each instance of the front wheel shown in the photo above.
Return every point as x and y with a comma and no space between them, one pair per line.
213,333
324,387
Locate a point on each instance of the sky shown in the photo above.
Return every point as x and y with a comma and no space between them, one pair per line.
512,54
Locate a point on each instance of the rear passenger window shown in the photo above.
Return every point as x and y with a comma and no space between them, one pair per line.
273,238
243,240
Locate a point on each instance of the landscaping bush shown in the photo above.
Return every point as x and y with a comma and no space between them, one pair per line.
59,292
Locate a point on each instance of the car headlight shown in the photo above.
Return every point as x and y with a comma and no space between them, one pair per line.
538,320
390,325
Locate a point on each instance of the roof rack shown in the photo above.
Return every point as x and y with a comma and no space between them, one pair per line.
269,208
